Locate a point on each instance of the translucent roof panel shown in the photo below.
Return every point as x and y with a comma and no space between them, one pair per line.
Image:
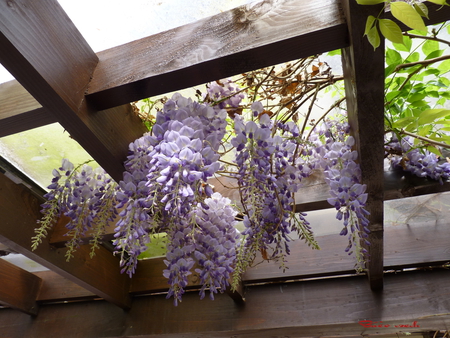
37,152
106,24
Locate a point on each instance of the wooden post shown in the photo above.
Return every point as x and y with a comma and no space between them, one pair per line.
364,88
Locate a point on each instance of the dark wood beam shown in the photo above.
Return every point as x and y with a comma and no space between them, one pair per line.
19,111
19,288
19,211
364,89
329,307
243,39
43,50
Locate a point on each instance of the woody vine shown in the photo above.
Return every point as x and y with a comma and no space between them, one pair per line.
257,131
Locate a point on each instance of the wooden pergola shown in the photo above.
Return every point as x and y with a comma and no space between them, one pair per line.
60,79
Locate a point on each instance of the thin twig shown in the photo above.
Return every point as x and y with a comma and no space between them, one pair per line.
426,139
423,63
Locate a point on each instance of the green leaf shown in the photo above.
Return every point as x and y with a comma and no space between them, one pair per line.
439,2
369,24
414,57
408,15
444,66
430,46
391,95
430,115
406,46
433,150
416,97
391,30
374,37
425,130
434,54
403,122
334,52
393,57
422,9
369,2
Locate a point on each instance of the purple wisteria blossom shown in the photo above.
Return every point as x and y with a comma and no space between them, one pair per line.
419,162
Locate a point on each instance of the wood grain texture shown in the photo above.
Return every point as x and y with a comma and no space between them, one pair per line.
246,38
329,307
364,90
57,288
19,111
44,51
19,211
19,288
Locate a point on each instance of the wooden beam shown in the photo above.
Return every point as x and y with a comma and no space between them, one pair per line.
364,88
44,51
246,38
19,288
19,211
57,288
329,307
19,111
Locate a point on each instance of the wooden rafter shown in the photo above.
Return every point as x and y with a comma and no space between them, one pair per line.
44,51
19,111
329,307
243,39
19,288
101,275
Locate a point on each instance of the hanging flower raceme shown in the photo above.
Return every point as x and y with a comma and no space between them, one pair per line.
85,196
166,176
267,179
343,175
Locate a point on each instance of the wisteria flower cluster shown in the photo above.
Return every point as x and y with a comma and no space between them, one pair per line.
166,174
268,178
86,197
335,156
419,162
209,241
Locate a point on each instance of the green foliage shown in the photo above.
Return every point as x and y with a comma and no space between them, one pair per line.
416,90
410,15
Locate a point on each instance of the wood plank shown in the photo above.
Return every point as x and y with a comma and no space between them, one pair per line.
19,288
57,288
19,211
329,307
364,89
44,51
246,38
19,111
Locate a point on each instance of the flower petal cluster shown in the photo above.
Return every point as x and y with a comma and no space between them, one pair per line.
83,194
419,162
268,179
224,93
208,243
165,178
332,145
